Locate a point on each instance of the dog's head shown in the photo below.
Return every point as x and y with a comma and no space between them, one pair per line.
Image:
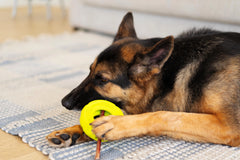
126,73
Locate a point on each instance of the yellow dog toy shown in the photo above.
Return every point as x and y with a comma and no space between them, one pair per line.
93,109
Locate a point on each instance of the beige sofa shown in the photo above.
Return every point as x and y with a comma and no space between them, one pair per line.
156,18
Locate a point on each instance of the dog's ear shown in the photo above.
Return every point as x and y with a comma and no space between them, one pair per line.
160,52
150,63
126,28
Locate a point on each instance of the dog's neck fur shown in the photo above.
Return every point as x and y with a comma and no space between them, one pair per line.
176,76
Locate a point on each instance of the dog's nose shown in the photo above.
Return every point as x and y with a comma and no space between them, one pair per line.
67,104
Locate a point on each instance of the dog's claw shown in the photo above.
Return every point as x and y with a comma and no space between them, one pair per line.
103,136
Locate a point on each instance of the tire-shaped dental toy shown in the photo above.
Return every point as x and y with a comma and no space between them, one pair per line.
93,109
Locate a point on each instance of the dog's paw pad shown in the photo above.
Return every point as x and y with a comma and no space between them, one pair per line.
56,141
75,137
64,137
60,140
67,137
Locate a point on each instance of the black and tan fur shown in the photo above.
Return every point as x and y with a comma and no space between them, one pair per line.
186,87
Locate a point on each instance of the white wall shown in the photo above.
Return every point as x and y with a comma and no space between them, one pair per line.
9,3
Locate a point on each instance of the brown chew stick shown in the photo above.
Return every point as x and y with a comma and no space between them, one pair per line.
97,156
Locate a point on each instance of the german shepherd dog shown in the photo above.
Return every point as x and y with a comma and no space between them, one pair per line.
186,87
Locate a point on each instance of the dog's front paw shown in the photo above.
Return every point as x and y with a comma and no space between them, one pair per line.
117,127
67,137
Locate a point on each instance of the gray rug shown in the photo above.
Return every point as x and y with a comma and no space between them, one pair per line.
37,72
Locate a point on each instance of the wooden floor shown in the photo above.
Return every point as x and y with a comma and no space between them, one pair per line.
12,147
37,23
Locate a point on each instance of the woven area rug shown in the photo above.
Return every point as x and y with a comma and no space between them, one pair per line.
37,72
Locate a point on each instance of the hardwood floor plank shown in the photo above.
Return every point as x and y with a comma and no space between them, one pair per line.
23,25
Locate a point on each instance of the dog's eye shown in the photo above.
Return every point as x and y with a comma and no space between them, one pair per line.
101,79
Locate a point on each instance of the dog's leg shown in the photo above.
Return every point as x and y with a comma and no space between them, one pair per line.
180,125
67,137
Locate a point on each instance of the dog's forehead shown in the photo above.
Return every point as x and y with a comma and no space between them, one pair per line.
130,50
121,53
124,50
108,70
106,66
